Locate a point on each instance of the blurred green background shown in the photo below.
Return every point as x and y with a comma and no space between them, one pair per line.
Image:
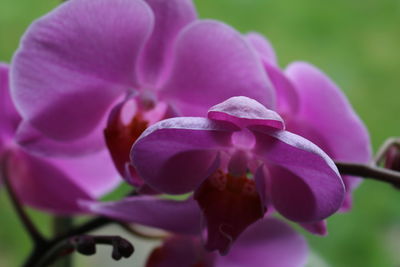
356,42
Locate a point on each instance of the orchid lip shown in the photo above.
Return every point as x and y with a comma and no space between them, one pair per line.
230,204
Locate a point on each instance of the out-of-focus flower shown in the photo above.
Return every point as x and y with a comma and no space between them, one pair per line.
315,108
392,158
266,243
46,183
238,162
144,60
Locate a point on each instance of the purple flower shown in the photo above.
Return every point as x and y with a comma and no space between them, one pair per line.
239,162
266,243
46,183
315,108
128,62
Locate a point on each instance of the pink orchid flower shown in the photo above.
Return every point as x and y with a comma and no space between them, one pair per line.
129,63
239,162
314,107
49,184
266,243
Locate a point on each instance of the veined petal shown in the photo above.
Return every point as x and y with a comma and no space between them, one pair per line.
170,17
325,117
95,173
243,112
213,62
267,243
36,142
181,217
41,184
305,185
75,61
263,47
9,118
325,109
286,95
175,155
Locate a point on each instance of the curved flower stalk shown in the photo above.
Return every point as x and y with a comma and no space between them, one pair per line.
239,162
54,185
314,107
266,243
123,65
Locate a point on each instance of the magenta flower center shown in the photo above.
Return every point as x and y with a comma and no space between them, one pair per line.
120,138
230,204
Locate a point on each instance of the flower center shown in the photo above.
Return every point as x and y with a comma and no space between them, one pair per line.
120,135
229,205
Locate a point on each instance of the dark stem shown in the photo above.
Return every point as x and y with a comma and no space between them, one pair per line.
369,172
86,245
49,250
380,155
34,234
61,225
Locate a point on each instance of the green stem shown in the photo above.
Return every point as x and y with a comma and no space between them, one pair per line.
62,225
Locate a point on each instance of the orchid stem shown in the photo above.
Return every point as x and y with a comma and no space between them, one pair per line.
369,172
50,250
34,234
62,225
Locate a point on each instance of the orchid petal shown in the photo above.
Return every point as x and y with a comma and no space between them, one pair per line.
286,94
325,117
267,243
213,62
263,47
170,17
243,112
326,110
316,228
177,216
40,184
75,61
34,141
94,173
305,185
181,251
9,117
175,155
261,186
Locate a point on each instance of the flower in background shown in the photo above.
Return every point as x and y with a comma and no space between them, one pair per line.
239,162
54,185
123,65
315,108
266,243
